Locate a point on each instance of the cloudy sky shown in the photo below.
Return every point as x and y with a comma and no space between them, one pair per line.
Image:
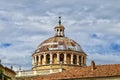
94,24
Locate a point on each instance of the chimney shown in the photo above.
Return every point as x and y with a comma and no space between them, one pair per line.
93,65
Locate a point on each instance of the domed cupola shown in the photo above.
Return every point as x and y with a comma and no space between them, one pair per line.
59,29
56,50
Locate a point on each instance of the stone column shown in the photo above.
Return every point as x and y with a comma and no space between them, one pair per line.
81,60
71,58
51,58
39,60
77,59
58,58
33,61
85,61
65,56
44,59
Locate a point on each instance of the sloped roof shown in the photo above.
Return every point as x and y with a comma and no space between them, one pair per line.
1,66
10,70
7,69
85,72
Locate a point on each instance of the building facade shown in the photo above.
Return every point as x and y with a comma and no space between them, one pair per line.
6,73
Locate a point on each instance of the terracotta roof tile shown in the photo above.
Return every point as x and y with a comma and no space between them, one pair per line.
85,72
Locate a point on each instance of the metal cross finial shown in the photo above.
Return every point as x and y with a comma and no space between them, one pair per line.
59,20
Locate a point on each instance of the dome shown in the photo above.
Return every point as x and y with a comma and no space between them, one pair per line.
58,50
59,43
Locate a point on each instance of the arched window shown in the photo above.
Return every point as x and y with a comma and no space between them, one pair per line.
54,58
79,60
68,59
48,59
37,58
74,59
42,59
62,57
57,30
60,30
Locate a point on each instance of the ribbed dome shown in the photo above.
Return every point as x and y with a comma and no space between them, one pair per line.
59,43
58,52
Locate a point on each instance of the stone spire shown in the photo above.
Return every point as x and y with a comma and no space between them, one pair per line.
59,29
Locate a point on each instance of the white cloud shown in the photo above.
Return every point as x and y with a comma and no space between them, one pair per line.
26,23
109,58
1,28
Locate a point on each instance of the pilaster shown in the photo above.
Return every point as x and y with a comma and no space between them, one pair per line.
71,58
39,60
77,59
65,56
51,58
58,58
44,59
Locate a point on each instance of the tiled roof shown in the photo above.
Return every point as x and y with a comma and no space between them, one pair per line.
1,66
85,72
7,69
59,43
10,70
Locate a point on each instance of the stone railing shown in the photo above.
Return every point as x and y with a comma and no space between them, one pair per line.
36,72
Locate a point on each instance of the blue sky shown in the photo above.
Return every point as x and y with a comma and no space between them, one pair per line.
94,24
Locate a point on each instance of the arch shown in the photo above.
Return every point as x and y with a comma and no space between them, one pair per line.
57,30
42,59
61,58
48,59
54,58
60,30
74,59
68,59
79,60
37,58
